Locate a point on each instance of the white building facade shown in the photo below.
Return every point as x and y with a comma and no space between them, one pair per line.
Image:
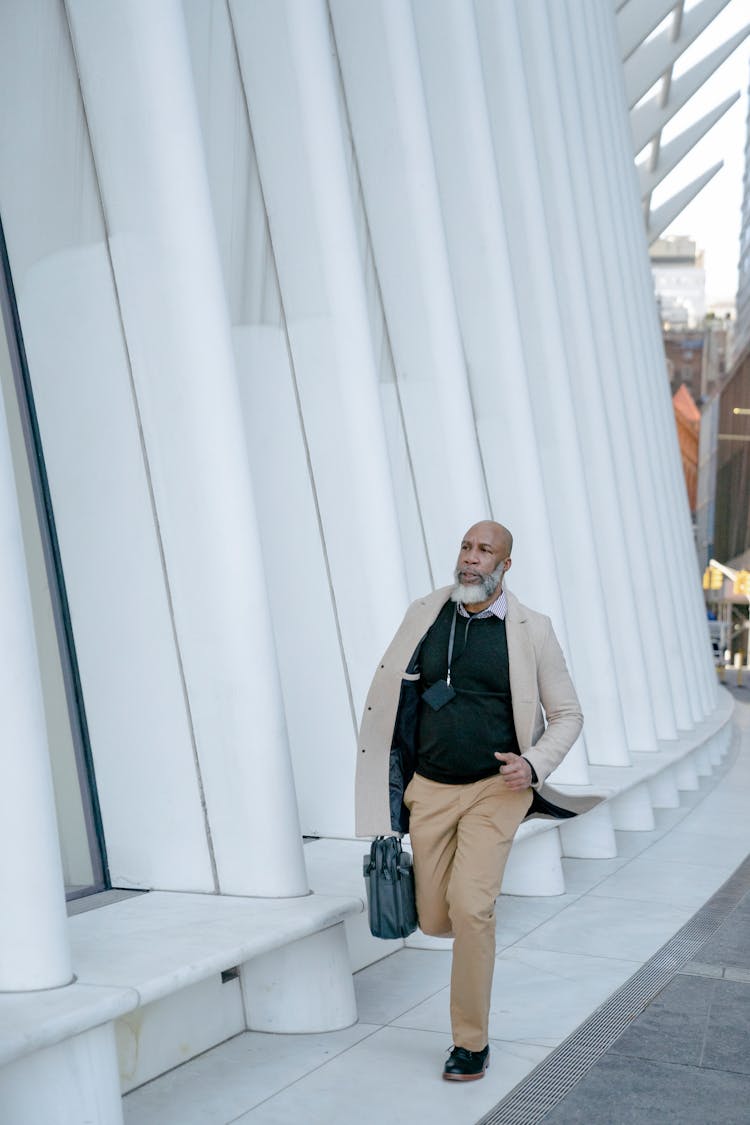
272,343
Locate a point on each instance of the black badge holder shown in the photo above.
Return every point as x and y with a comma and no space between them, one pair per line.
442,691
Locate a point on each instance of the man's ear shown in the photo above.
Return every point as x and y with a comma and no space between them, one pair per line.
508,564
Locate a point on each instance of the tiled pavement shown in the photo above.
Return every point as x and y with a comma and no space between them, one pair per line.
685,1059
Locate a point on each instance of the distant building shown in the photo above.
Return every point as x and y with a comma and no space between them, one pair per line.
742,334
732,534
679,281
705,506
732,537
684,349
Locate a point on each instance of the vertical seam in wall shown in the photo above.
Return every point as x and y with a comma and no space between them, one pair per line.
297,398
376,273
149,483
480,451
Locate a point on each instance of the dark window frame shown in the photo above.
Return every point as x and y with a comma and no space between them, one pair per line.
56,581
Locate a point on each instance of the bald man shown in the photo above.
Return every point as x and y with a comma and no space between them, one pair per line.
470,709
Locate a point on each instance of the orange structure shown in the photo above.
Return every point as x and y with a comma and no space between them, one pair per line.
688,419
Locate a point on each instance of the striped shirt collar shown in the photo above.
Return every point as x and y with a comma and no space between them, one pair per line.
499,608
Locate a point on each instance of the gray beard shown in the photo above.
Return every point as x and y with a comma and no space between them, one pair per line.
470,595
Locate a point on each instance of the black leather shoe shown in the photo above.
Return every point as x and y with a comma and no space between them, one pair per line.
465,1066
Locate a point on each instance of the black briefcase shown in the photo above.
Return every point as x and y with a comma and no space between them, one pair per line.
389,880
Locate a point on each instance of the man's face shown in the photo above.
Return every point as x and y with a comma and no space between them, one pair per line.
483,549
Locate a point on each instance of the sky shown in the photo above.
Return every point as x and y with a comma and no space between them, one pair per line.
713,218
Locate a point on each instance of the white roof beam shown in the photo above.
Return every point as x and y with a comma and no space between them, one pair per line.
672,153
637,18
654,58
660,219
650,118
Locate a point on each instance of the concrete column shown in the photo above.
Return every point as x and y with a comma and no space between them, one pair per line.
610,330
34,947
570,244
74,1082
699,670
293,96
487,311
685,573
565,478
138,93
388,116
630,336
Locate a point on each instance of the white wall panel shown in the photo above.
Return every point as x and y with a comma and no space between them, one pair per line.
317,701
693,624
568,234
290,84
652,399
609,328
34,945
137,86
419,573
545,368
385,99
135,707
140,737
319,710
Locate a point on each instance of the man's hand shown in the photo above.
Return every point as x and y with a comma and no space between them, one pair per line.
516,771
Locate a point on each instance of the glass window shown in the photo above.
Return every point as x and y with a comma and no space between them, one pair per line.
78,819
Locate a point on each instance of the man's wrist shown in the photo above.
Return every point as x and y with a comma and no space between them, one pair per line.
534,777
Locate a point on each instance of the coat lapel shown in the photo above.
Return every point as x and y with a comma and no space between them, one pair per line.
522,668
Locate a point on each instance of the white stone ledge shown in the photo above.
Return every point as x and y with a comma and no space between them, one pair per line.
30,1021
134,952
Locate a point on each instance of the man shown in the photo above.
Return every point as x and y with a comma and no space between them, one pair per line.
454,749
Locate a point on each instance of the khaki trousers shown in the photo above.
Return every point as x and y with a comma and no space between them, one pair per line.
460,837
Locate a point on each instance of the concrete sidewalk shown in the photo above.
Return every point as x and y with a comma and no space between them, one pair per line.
559,959
686,1057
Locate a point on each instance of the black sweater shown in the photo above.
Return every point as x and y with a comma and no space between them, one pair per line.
457,743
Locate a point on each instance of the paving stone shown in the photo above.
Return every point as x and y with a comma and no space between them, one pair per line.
727,1045
730,945
701,969
629,1091
672,1028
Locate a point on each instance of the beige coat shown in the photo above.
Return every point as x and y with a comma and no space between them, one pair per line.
540,685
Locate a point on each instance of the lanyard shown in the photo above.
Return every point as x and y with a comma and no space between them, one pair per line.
451,639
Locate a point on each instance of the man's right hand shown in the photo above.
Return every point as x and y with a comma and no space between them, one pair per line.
515,770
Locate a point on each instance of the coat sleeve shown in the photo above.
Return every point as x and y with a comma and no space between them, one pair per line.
561,707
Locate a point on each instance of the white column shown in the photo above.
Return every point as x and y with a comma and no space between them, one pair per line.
137,88
701,652
685,577
74,1082
487,312
545,371
611,332
291,85
34,947
630,337
569,241
386,106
